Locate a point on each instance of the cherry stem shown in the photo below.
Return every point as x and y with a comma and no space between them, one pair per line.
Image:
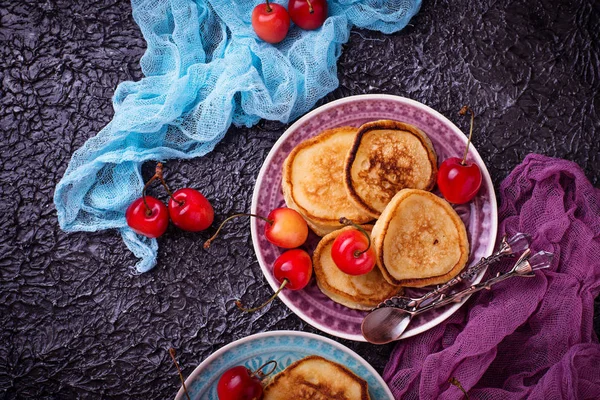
158,174
311,10
456,383
346,221
213,237
463,111
148,209
260,374
269,9
172,353
239,305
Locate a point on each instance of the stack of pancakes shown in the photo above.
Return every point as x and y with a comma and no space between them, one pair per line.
381,171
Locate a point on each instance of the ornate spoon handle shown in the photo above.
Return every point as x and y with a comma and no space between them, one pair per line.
458,296
524,267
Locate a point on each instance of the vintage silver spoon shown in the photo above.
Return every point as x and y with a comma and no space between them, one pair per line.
516,244
386,324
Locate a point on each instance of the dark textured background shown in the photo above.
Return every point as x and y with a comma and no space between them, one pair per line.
75,323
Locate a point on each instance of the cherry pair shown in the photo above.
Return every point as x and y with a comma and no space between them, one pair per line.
188,210
271,21
293,268
284,228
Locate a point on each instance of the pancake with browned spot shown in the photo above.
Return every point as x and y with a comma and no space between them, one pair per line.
419,240
313,181
316,378
386,157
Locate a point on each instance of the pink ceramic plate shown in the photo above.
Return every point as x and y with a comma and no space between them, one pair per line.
480,215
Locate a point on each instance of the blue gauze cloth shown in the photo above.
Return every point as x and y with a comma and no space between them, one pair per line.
204,69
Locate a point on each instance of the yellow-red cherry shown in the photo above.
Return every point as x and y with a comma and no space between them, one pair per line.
286,228
352,253
308,14
271,22
147,216
239,383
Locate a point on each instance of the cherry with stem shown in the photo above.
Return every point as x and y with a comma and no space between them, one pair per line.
271,22
293,269
357,253
240,383
308,14
188,208
460,180
147,215
284,227
351,250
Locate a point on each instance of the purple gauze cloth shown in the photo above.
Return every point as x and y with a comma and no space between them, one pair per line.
527,338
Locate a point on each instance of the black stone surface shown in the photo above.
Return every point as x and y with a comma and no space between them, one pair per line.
74,323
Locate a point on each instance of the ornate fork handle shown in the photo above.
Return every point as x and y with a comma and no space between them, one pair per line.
517,243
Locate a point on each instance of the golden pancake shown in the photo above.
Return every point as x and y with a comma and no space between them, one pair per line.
361,292
419,240
316,378
313,176
386,157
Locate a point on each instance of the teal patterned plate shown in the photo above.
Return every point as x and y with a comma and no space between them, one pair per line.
285,347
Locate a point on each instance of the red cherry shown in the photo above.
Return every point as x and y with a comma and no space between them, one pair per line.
190,211
239,383
286,228
293,269
308,14
348,253
271,22
151,220
458,182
